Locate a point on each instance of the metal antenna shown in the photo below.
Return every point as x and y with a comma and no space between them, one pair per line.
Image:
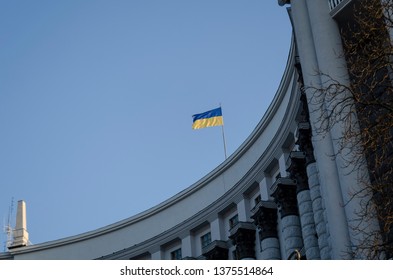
8,230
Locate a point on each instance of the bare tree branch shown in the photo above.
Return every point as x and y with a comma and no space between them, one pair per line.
368,99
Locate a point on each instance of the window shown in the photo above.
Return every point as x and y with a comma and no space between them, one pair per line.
206,239
233,221
257,199
176,255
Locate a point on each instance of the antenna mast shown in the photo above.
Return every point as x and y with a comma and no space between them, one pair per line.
8,230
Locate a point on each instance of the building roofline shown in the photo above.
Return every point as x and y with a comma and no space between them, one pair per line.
274,106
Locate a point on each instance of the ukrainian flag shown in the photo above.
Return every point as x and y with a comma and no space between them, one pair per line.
209,118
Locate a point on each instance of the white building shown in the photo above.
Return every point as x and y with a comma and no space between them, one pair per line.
279,196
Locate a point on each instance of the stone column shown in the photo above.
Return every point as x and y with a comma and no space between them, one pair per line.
265,218
305,145
332,64
304,136
157,255
321,223
243,210
282,164
323,146
216,229
264,189
298,172
217,249
186,247
243,237
284,193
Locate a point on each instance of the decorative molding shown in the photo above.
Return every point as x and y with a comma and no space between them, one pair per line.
298,171
266,221
243,237
284,193
216,250
304,141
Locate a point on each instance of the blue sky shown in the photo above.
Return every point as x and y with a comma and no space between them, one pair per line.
97,98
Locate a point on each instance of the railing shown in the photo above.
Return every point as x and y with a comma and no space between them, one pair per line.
334,3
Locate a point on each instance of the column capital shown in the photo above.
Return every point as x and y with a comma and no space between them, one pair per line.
243,236
304,135
284,193
265,219
298,171
216,250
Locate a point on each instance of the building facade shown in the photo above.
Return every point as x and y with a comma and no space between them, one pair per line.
281,195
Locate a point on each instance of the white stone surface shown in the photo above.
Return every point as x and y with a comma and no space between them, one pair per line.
20,234
271,249
310,239
323,145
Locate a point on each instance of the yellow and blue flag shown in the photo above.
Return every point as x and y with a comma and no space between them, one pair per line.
209,118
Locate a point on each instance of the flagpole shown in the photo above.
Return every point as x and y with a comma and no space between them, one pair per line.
223,136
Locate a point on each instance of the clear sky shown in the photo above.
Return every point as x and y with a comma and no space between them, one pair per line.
97,98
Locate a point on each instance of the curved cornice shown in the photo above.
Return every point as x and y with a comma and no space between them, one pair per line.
232,196
285,95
